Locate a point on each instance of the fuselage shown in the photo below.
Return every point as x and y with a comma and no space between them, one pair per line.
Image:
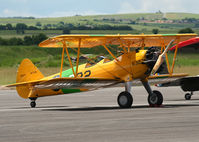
128,64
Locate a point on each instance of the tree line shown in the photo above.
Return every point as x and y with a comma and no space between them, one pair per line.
27,40
36,39
21,27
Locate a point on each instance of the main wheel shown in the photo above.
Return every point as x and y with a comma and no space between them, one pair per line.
33,104
125,100
155,99
187,96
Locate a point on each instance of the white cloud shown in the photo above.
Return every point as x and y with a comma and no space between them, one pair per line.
127,7
141,6
72,13
164,5
25,13
13,13
47,8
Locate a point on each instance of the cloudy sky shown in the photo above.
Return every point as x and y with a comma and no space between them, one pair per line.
60,8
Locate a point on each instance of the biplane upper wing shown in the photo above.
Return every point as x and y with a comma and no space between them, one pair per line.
89,41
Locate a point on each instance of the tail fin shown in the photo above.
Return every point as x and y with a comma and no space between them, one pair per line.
27,71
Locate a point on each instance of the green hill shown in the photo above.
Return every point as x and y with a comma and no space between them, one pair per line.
84,19
139,22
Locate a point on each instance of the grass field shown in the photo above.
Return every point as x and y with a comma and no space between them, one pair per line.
8,74
185,59
11,56
100,20
52,33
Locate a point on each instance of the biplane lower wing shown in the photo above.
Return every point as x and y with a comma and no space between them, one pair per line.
68,82
157,79
94,83
77,83
160,79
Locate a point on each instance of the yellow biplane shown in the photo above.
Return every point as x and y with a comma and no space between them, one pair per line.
142,58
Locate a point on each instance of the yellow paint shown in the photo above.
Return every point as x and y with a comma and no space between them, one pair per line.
78,52
27,72
62,61
127,67
175,54
134,41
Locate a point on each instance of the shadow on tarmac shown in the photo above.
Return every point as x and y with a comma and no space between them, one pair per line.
118,108
40,107
182,100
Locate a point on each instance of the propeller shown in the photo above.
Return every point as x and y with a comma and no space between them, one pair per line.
161,58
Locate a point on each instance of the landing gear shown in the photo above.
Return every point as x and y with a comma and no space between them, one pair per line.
125,100
33,103
155,98
188,96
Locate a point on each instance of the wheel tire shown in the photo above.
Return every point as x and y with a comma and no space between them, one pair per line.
125,100
155,99
187,96
33,104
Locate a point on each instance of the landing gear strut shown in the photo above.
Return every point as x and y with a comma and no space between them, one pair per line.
125,99
33,103
155,98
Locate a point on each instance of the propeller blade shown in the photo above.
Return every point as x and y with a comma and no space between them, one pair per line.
161,58
168,46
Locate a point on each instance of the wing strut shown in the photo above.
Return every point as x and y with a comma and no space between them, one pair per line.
110,52
62,60
167,60
174,58
143,43
121,44
78,52
71,65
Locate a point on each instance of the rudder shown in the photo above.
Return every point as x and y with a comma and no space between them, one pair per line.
27,71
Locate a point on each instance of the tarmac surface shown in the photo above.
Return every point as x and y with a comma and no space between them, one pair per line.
95,116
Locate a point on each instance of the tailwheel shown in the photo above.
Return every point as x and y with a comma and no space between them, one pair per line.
125,100
155,99
33,104
187,96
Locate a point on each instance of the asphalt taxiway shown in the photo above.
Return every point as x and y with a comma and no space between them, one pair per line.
95,116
